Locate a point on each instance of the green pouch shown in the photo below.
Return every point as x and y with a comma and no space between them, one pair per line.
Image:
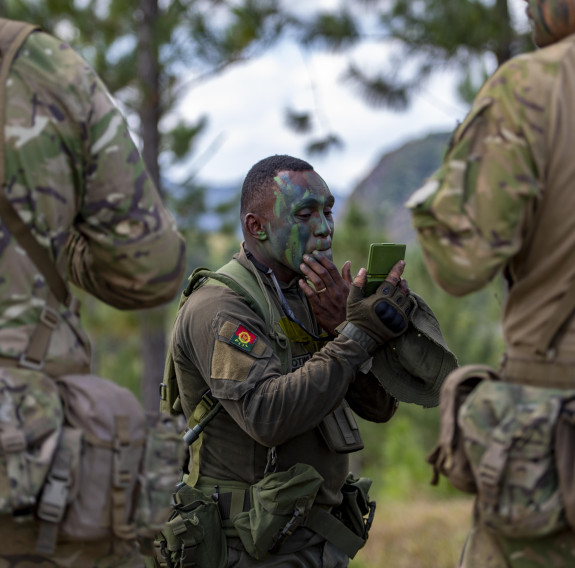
194,535
280,503
508,432
356,506
340,430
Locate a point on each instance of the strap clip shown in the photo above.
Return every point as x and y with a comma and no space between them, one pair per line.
122,473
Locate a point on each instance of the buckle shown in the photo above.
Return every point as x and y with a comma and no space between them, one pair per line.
54,497
23,361
49,317
122,473
13,441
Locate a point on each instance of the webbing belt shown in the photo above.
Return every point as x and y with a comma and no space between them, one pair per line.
234,497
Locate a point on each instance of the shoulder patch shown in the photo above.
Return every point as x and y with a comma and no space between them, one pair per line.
243,338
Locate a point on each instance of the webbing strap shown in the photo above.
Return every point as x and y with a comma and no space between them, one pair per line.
54,497
326,525
13,35
122,478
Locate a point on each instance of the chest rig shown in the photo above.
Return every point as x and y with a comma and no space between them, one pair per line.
339,429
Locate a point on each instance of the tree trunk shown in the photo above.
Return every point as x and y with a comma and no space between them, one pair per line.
503,50
152,322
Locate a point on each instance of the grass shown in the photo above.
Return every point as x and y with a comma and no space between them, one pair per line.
420,534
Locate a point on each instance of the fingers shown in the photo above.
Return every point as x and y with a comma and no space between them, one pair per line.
361,278
395,273
308,290
316,271
346,271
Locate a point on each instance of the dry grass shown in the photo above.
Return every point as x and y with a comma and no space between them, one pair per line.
421,534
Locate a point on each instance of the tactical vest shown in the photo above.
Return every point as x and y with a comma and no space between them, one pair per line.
339,428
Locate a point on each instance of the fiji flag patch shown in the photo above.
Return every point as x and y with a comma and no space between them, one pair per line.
243,338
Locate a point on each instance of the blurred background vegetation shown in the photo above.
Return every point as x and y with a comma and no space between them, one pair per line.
151,52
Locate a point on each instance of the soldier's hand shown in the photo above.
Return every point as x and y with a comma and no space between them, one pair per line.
330,289
383,315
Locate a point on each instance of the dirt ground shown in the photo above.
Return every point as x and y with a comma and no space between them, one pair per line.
416,535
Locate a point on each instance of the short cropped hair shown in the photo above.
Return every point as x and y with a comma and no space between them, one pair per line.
261,177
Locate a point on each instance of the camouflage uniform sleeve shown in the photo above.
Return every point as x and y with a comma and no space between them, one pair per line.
470,215
124,247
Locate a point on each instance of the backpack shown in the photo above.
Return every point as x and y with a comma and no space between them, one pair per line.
77,452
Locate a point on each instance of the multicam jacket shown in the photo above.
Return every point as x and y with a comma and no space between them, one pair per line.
504,197
77,179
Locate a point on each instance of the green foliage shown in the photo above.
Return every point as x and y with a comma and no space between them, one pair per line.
333,30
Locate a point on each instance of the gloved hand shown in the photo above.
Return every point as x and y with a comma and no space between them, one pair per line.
382,316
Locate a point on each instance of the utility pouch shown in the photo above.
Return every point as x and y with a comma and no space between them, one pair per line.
281,502
194,536
356,511
340,430
449,457
565,458
509,432
31,418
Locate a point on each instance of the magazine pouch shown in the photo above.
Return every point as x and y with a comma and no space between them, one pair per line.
508,432
194,536
340,431
31,418
449,457
565,458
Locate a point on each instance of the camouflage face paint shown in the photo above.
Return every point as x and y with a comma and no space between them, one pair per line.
552,20
300,221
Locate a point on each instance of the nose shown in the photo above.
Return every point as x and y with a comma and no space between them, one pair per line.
322,228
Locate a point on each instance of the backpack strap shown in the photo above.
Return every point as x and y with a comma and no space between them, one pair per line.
245,283
12,36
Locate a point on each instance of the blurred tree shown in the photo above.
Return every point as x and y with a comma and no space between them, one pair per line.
417,38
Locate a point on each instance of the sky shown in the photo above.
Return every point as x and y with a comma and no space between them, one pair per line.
245,107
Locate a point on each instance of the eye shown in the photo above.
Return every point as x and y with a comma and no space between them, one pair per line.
304,214
327,212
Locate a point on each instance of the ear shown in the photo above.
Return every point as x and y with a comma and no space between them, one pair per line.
255,227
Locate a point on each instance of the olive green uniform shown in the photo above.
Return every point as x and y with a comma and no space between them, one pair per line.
77,180
504,200
265,407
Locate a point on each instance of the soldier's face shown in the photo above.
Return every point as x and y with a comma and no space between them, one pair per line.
298,220
552,20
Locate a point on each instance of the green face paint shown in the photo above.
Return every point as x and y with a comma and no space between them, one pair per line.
299,222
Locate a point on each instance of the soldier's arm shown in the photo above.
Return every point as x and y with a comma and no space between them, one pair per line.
124,247
217,333
470,214
370,400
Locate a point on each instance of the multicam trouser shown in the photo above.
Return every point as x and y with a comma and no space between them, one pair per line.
485,549
18,541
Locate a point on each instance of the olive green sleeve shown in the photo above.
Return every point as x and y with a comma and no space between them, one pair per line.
270,406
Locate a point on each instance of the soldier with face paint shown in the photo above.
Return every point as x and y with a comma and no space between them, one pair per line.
503,200
279,371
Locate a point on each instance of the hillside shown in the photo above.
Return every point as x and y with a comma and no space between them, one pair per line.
382,193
